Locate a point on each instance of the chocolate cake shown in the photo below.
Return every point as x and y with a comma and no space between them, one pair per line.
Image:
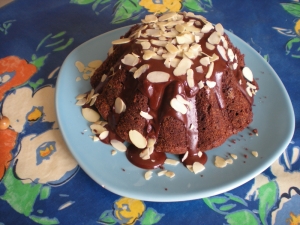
174,84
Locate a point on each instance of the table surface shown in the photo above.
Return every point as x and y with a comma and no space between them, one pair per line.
36,37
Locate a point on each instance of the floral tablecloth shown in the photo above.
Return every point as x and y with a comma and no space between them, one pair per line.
41,183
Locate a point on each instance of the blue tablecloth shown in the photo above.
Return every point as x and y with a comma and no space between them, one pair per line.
36,37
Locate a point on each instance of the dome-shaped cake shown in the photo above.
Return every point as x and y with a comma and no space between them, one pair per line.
174,84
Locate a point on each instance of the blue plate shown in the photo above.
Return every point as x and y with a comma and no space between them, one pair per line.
273,118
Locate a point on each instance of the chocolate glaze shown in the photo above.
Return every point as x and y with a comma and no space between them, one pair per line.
160,95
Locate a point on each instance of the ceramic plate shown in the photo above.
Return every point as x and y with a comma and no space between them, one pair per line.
273,118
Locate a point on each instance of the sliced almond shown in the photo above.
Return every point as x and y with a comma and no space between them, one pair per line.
185,156
148,175
162,172
198,167
150,19
225,43
90,115
170,174
199,69
199,154
234,156
190,168
130,60
95,138
171,48
80,66
140,71
118,145
211,84
230,54
219,28
121,41
172,162
95,64
78,79
148,54
104,135
137,139
213,58
207,27
229,161
210,70
167,16
205,61
248,90
209,46
222,52
190,78
248,73
214,38
158,77
234,66
97,128
201,84
145,154
113,152
145,44
119,105
146,115
255,153
81,102
158,42
182,67
151,142
178,106
103,78
182,100
220,162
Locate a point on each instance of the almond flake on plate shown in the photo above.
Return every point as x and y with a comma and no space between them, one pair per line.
170,174
148,175
172,162
198,167
162,172
220,162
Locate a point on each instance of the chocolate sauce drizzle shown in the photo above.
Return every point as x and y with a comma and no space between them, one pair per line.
160,95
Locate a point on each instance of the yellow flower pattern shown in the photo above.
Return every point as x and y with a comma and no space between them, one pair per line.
161,6
297,27
128,210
